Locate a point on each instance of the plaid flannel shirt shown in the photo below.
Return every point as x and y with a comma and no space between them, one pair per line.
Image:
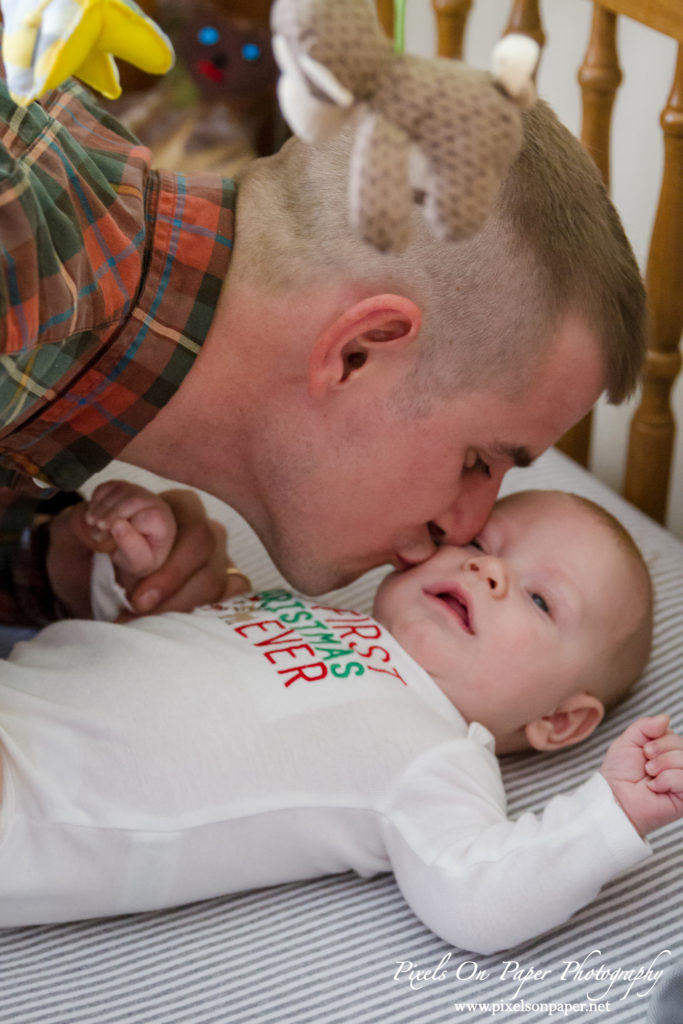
109,277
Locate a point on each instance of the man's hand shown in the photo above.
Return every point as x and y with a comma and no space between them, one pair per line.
194,572
644,767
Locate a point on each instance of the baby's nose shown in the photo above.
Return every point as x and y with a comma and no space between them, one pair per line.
491,571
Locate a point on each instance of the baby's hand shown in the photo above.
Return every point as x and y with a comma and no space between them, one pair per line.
644,768
136,526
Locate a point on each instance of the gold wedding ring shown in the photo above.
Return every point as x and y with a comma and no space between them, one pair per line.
232,570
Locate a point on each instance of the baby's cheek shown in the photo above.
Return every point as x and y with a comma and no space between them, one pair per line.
384,605
422,642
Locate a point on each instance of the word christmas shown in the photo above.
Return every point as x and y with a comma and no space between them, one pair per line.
309,642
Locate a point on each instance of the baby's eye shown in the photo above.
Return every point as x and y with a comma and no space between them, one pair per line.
475,544
541,602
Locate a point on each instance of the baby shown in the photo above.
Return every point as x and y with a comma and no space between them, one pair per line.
271,738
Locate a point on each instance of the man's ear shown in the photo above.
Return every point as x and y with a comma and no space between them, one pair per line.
379,325
574,720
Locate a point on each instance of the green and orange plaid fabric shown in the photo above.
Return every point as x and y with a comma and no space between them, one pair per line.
109,277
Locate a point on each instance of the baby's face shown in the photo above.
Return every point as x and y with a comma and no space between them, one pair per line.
511,625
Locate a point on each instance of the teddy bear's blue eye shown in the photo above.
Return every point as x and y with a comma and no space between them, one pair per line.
208,35
251,51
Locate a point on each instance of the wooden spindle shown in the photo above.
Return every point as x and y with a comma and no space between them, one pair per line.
653,427
525,17
599,77
451,22
576,443
385,12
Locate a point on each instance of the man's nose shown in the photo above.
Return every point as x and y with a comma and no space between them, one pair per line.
467,514
491,571
420,546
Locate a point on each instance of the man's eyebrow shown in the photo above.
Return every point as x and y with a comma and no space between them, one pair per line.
519,454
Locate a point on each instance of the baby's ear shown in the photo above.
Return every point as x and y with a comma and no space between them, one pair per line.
574,720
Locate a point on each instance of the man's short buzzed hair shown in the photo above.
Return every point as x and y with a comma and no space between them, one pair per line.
554,246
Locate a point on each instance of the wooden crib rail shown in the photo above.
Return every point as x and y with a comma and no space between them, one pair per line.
653,428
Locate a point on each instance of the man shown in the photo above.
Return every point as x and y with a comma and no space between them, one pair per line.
356,407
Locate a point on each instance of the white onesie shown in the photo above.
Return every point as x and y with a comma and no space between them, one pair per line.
264,740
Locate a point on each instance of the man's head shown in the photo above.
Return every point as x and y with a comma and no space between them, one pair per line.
491,305
537,626
382,397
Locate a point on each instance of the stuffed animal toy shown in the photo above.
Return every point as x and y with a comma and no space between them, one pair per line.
229,59
46,41
435,130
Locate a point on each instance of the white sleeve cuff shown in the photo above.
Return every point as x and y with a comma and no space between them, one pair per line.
107,596
626,846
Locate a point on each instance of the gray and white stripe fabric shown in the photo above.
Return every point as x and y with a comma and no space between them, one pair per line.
344,950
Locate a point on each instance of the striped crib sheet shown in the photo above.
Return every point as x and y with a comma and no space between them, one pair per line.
343,950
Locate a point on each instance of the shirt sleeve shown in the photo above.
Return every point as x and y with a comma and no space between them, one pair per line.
107,596
110,274
484,882
53,297
26,596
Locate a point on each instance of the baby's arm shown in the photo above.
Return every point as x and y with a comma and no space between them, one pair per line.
644,768
485,882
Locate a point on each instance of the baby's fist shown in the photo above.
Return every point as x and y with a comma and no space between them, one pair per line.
644,768
135,525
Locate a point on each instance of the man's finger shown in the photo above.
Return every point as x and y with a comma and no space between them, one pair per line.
204,587
236,582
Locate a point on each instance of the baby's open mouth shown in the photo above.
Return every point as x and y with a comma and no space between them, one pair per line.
457,606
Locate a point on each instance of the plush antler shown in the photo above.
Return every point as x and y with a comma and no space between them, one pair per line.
463,125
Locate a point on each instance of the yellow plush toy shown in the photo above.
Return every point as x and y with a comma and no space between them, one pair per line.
46,41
